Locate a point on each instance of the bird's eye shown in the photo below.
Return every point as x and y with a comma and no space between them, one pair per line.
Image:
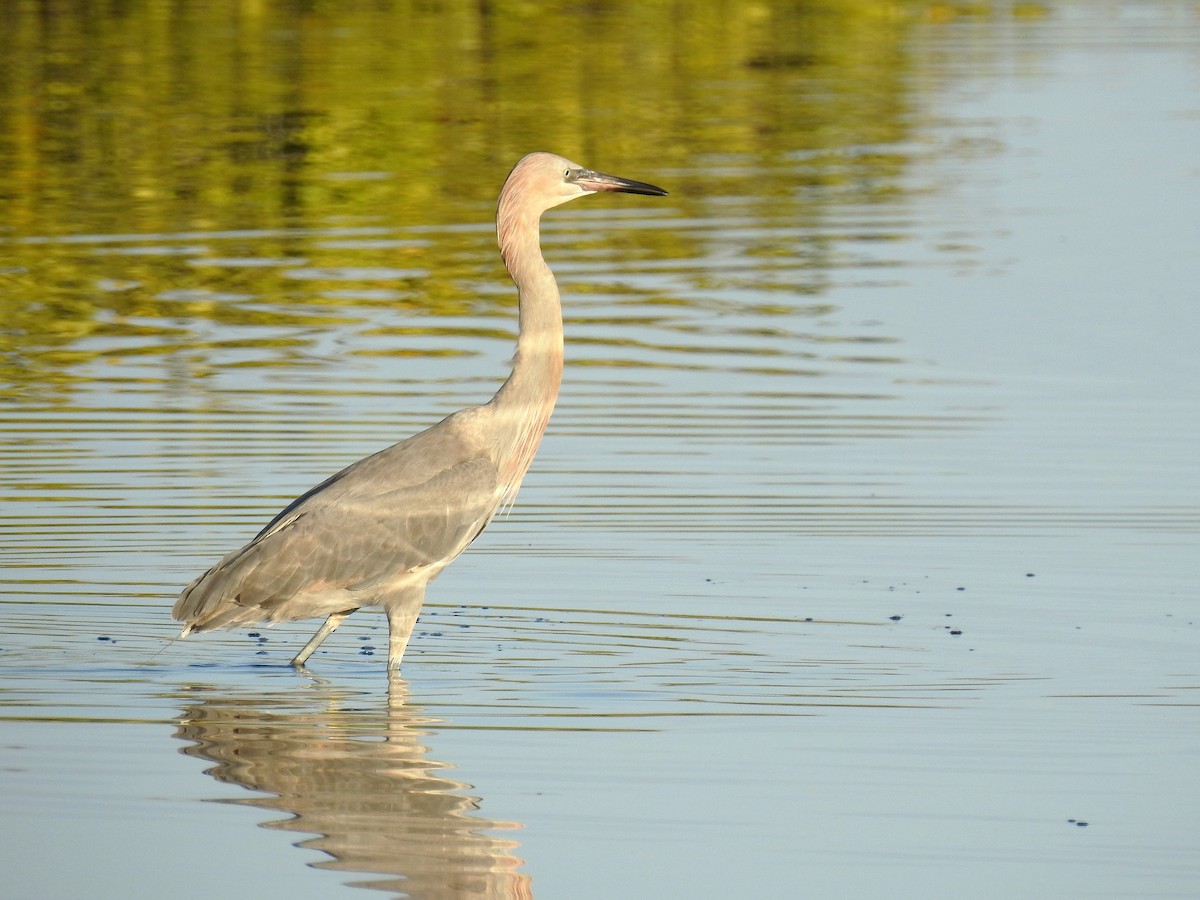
567,174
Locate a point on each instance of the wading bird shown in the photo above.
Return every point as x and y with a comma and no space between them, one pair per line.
376,533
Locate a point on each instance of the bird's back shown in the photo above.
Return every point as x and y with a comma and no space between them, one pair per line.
405,511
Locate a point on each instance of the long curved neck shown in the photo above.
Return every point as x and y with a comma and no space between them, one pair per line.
525,401
537,367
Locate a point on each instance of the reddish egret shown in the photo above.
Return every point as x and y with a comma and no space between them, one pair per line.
376,533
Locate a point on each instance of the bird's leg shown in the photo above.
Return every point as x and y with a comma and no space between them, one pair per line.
401,620
323,632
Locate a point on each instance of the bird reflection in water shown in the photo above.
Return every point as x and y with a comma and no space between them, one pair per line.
360,780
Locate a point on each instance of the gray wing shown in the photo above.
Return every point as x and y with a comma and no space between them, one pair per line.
353,533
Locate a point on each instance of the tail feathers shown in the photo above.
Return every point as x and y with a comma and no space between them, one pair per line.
229,615
213,600
243,590
203,606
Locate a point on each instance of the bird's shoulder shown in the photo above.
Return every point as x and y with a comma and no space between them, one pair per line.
450,443
448,458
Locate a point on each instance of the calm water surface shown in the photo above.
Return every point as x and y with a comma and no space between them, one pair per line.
860,559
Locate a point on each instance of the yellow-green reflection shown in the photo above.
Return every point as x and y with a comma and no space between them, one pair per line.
221,114
170,165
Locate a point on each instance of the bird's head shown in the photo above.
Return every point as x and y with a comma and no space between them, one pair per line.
543,181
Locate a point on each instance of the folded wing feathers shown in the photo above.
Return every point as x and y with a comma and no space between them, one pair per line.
354,535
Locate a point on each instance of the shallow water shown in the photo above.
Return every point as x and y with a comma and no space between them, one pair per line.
860,557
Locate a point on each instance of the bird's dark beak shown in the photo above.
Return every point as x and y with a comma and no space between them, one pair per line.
595,181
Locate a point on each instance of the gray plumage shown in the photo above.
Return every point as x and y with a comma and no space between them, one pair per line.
376,533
